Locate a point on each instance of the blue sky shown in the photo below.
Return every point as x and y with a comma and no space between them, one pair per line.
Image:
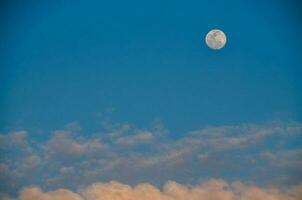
65,62
141,69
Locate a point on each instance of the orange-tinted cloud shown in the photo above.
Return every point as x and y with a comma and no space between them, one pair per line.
34,193
210,190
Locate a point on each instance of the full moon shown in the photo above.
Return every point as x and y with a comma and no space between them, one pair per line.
216,39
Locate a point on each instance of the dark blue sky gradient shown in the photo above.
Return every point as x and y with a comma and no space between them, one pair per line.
68,61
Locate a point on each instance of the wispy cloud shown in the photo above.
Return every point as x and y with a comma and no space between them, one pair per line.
63,144
144,137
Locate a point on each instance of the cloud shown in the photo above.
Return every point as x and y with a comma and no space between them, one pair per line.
284,158
15,140
141,138
166,158
123,152
32,161
67,170
73,126
209,190
34,193
63,144
232,137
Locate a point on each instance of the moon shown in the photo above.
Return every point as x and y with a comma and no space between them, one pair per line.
216,39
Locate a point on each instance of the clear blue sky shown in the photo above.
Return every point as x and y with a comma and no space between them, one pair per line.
65,61
145,62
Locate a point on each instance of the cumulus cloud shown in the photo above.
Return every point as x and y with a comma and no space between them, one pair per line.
209,190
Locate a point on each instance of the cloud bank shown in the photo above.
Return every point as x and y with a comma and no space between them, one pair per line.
267,153
213,189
